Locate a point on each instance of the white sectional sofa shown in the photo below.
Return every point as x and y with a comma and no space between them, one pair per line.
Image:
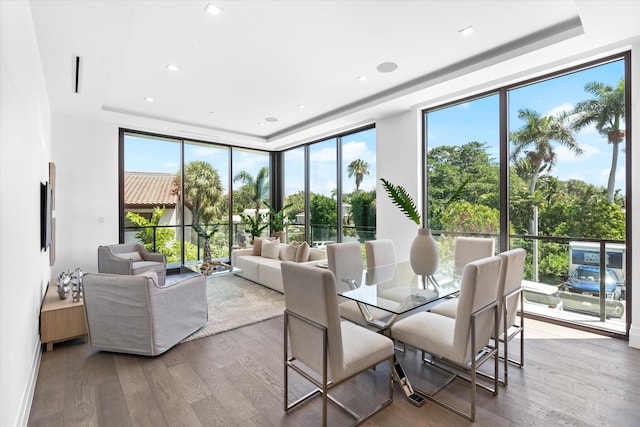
263,266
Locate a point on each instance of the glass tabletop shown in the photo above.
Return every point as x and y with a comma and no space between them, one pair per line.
394,288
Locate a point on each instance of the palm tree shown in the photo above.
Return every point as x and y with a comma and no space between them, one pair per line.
534,141
255,190
359,169
202,190
606,111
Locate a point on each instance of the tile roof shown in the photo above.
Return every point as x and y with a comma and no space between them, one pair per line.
149,189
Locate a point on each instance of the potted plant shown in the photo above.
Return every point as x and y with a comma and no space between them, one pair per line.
277,221
255,223
424,251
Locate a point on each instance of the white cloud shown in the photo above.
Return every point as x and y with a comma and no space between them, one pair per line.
358,150
567,156
566,107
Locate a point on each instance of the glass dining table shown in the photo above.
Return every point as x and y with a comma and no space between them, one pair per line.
384,293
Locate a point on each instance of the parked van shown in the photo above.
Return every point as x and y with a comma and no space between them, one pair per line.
584,264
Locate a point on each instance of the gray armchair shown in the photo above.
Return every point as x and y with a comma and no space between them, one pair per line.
133,314
131,258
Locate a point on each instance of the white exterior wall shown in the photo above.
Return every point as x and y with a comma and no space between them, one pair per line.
25,153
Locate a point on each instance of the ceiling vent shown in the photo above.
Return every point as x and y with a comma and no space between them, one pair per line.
77,69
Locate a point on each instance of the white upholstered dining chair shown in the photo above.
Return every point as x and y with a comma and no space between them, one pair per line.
466,250
379,252
462,341
344,260
317,341
509,297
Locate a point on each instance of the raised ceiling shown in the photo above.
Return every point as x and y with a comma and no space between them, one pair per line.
244,73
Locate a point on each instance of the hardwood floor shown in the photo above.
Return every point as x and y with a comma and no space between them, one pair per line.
570,378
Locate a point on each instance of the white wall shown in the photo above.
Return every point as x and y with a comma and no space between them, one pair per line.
25,152
398,154
86,156
634,332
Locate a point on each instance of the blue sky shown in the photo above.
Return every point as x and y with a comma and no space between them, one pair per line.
471,121
478,121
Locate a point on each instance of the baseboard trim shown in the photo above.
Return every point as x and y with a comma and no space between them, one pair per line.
30,388
634,337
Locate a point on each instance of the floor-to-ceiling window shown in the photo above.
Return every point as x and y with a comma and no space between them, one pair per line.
359,186
550,173
150,206
332,182
294,194
323,185
206,207
463,171
251,189
175,195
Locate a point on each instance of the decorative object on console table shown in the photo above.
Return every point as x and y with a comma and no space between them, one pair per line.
70,281
76,284
61,319
424,250
63,284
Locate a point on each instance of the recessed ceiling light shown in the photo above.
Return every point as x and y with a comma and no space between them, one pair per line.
270,119
387,67
212,9
149,99
260,124
361,78
302,106
171,67
467,31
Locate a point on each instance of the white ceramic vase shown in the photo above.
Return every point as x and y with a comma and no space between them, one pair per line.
424,253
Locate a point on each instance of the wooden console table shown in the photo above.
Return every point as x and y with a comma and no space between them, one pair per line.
61,319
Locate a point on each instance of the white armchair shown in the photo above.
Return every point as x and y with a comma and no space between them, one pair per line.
131,258
133,314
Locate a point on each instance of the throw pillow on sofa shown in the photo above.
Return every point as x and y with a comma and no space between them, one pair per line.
302,254
288,252
271,249
257,245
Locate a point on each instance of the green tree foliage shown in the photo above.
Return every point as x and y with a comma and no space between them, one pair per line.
464,172
253,193
296,203
473,218
163,236
606,111
324,216
534,141
203,191
363,213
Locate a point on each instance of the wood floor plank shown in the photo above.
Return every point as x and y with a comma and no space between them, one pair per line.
175,408
192,387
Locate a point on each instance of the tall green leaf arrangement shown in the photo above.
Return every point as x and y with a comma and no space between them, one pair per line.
402,200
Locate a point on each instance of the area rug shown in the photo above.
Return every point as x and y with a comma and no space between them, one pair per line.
235,302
